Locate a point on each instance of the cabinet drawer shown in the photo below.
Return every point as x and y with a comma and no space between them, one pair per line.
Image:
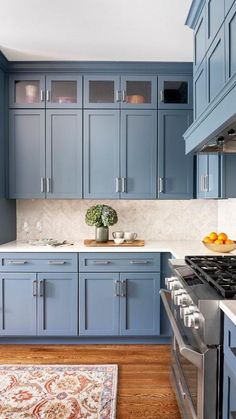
38,262
230,342
119,262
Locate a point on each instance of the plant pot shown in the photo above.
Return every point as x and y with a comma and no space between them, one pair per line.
102,234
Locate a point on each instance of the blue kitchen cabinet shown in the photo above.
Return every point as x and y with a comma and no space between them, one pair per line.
98,304
139,304
18,294
200,39
230,36
63,154
228,164
2,134
216,66
174,166
208,176
229,380
120,156
57,304
228,5
63,91
26,153
138,92
101,91
214,19
138,154
27,90
101,154
42,167
175,92
200,90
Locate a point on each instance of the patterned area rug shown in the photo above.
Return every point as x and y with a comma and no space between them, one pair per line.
58,391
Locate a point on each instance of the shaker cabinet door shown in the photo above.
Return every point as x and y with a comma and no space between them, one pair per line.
139,92
26,154
216,66
18,294
138,154
175,167
99,304
139,304
101,154
214,18
64,154
230,36
63,91
175,92
102,92
200,39
27,91
58,304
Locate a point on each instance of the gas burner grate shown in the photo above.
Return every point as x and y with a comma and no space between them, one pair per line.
218,271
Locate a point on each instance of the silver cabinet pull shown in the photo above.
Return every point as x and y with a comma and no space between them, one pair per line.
202,183
123,95
161,95
123,184
48,96
56,262
41,288
161,184
139,262
42,95
117,288
117,96
206,183
42,184
123,288
17,262
48,180
34,283
101,262
117,184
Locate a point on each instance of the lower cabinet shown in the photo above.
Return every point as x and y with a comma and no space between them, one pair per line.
229,384
208,176
119,304
38,304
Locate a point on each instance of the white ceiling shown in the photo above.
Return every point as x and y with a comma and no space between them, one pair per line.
110,30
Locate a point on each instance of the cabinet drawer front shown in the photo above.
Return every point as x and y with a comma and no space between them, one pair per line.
230,342
119,262
38,262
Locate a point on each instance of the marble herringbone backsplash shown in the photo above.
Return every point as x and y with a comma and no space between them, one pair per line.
152,220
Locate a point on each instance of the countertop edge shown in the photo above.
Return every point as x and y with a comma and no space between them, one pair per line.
229,308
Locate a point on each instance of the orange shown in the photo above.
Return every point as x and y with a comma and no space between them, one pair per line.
218,241
229,241
223,237
213,236
207,240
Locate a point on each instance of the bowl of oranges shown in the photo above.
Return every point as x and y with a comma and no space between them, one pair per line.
219,243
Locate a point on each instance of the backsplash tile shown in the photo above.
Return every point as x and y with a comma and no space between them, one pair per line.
152,220
227,217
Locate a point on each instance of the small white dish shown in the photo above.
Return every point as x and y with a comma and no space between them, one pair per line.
118,241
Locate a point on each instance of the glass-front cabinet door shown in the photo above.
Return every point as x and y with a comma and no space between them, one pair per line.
175,92
139,92
26,91
63,91
102,92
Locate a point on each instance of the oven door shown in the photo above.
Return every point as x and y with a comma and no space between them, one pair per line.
194,370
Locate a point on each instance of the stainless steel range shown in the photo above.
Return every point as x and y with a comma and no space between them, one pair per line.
192,305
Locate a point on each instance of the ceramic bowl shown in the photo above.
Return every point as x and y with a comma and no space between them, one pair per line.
220,248
118,241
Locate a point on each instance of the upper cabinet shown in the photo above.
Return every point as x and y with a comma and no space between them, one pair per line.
27,91
107,91
230,37
38,91
216,66
175,92
101,92
200,39
228,5
214,19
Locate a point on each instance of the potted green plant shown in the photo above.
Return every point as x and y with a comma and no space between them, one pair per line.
101,216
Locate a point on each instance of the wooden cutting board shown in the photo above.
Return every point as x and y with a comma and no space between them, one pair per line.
111,243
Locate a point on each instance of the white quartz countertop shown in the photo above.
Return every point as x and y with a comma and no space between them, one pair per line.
229,308
179,249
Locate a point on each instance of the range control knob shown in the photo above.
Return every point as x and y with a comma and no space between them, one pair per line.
184,310
185,300
174,285
192,318
196,320
176,294
169,280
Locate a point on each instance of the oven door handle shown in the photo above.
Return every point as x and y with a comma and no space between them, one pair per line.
187,351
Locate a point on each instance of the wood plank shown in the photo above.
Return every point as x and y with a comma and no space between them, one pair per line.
144,389
111,243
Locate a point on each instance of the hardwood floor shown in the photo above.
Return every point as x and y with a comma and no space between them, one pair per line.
144,390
